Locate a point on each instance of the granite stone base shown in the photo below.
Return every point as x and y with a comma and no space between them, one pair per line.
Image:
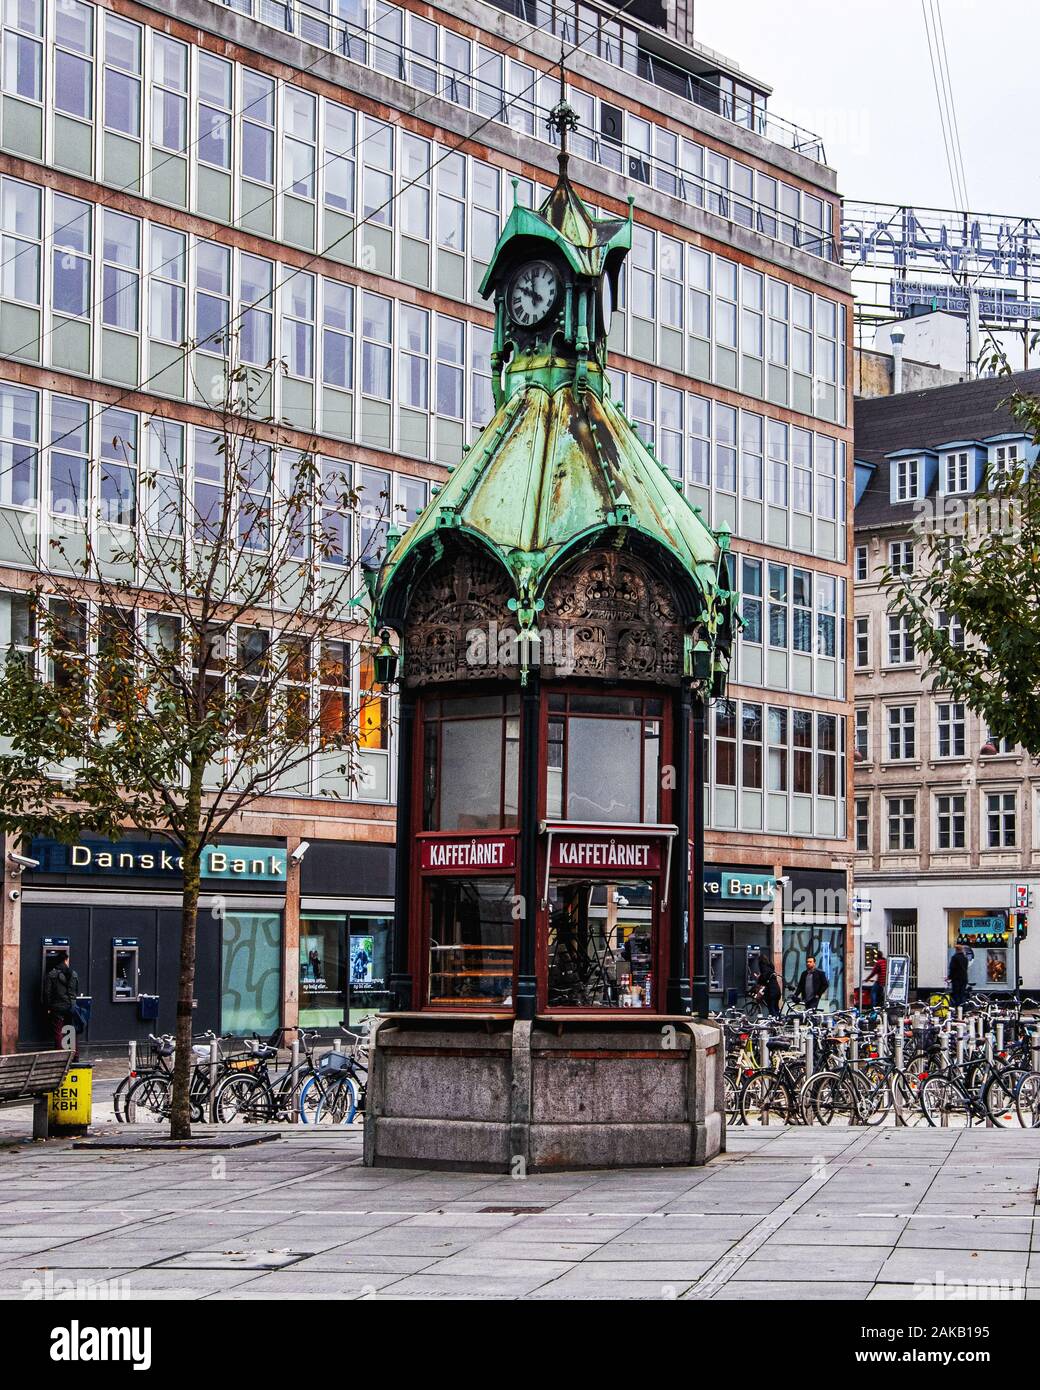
494,1095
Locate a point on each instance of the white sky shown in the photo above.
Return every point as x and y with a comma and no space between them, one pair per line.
861,77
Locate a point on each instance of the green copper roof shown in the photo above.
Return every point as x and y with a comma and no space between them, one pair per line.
551,472
559,468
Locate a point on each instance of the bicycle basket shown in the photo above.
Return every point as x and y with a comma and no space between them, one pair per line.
332,1062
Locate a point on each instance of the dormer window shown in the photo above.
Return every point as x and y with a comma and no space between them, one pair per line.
958,472
908,479
1004,462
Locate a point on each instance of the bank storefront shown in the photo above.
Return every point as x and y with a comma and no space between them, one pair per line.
794,914
115,907
738,924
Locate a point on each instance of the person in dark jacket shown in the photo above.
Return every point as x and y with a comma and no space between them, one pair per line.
958,971
59,994
812,985
768,988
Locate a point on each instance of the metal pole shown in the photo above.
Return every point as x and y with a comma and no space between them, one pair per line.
699,984
897,1067
131,1065
809,1045
763,1048
294,1087
214,1072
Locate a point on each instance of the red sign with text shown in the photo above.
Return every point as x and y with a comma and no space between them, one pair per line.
604,853
447,854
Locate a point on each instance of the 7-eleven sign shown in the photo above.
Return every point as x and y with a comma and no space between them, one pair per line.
1022,896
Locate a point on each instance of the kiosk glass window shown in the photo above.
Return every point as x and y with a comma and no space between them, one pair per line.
471,762
471,934
604,758
601,944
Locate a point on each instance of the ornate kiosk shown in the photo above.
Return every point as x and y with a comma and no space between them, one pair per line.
563,616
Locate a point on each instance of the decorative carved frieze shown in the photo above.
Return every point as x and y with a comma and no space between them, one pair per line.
625,619
607,616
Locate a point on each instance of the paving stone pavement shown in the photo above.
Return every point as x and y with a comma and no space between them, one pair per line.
835,1213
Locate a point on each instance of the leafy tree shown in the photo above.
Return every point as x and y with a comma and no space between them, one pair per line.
972,603
182,656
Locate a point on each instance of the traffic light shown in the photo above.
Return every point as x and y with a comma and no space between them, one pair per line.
1021,925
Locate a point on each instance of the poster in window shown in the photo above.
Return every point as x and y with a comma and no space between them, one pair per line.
361,961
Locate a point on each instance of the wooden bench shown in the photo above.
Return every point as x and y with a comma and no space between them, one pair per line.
33,1076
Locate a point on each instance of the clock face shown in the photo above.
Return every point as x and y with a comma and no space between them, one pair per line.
533,292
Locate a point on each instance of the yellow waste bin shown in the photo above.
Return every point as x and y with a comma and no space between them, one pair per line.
68,1108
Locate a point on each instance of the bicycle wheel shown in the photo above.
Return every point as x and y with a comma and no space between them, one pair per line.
119,1098
998,1096
731,1087
148,1099
906,1098
339,1104
242,1099
1027,1100
765,1100
827,1096
311,1094
945,1104
873,1096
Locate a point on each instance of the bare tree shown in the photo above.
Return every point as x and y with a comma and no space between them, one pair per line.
183,650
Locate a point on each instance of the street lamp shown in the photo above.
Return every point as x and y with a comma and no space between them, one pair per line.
385,661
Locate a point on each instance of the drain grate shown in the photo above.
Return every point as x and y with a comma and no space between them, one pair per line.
511,1211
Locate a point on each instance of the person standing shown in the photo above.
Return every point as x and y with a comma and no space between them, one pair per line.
812,985
878,978
59,994
769,989
958,976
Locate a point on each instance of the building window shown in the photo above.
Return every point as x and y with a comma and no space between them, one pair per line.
751,602
1003,464
862,824
73,66
862,738
1000,745
951,625
862,644
901,557
1001,819
122,76
20,228
950,821
338,335
950,725
902,823
862,563
19,440
215,108
902,731
957,472
70,457
907,480
900,640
